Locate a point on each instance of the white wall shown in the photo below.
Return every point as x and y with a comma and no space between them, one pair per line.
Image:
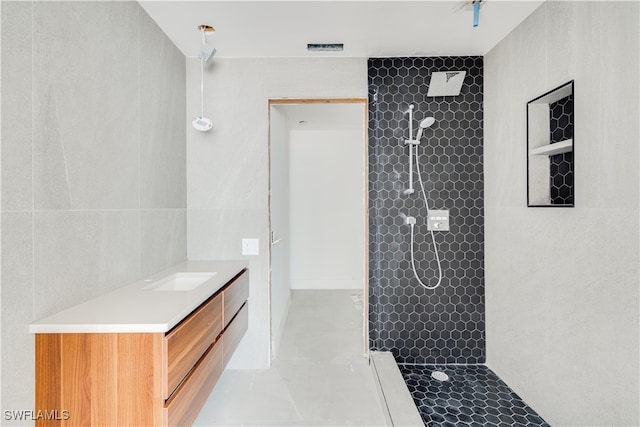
0,197
327,213
93,164
562,283
280,252
227,168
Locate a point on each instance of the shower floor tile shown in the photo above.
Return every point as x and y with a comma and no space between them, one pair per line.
473,396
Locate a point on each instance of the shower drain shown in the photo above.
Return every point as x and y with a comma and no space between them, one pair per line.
440,376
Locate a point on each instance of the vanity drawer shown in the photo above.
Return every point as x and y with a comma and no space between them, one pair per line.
148,378
184,406
234,332
235,294
186,344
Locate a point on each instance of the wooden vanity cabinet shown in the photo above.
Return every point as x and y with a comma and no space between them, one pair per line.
140,379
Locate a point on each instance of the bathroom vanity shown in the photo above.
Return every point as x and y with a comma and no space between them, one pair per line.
147,354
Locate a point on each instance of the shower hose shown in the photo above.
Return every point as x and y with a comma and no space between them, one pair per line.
433,237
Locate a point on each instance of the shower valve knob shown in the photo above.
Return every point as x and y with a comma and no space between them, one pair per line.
438,220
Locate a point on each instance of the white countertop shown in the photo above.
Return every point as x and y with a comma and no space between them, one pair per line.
132,308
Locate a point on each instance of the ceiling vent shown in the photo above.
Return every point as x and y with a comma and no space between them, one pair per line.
325,47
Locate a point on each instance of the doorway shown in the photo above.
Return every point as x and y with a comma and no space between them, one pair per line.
318,202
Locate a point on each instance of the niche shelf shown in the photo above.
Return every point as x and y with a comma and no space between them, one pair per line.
551,149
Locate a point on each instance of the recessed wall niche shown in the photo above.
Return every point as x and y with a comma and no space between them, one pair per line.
550,146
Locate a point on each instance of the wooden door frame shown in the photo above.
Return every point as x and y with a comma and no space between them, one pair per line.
365,140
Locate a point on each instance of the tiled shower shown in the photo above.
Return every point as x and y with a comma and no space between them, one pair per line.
440,330
445,325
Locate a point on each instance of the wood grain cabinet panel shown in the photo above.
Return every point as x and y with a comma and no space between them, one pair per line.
188,341
140,379
235,331
184,406
99,379
235,294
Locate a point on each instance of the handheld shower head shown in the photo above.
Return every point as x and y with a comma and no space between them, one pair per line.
428,122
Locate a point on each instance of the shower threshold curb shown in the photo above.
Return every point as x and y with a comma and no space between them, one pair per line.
397,403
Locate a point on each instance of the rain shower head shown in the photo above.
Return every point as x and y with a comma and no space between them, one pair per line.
446,83
428,122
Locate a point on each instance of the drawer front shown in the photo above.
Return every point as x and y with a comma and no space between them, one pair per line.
184,406
186,344
235,294
234,332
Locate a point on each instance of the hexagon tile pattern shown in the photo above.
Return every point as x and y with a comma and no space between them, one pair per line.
561,165
419,326
472,396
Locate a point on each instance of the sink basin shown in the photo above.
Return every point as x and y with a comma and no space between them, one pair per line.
180,282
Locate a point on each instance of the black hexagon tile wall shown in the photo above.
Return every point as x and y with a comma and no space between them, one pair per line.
445,325
561,165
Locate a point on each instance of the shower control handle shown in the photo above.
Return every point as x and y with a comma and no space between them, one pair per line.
438,220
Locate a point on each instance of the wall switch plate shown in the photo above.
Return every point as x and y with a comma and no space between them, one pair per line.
438,220
250,246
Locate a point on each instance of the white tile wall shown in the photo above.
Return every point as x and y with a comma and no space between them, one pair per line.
227,168
81,254
85,150
163,179
17,162
93,164
163,239
562,297
18,357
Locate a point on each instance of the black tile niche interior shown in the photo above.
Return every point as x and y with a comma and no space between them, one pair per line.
561,165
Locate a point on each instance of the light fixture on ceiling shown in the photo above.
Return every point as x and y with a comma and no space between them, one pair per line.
207,51
201,122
